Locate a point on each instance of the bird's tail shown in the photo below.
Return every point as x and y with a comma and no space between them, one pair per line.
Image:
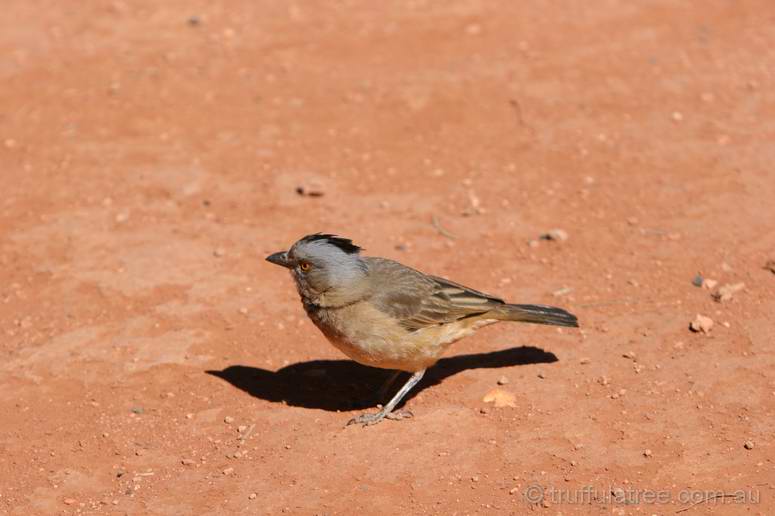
537,314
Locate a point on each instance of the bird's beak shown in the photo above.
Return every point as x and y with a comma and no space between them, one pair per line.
280,259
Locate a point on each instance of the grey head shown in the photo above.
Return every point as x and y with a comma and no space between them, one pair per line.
328,270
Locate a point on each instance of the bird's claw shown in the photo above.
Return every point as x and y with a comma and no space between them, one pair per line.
397,415
373,419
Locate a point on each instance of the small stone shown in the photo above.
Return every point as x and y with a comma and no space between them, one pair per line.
513,490
194,21
228,420
243,311
137,410
770,266
555,235
603,380
561,292
677,116
629,354
748,445
252,496
475,478
500,398
228,471
218,252
189,416
312,190
541,375
242,428
697,281
702,324
473,29
503,380
122,217
585,361
69,501
187,462
726,292
647,452
632,221
709,284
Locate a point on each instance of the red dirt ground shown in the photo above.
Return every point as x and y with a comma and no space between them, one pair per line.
149,158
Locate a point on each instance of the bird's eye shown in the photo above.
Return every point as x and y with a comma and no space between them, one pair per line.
304,266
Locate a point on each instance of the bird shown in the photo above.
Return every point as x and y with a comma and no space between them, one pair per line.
384,314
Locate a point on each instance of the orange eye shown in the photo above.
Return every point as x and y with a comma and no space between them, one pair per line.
304,266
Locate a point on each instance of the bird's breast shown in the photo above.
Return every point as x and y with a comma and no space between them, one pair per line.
371,337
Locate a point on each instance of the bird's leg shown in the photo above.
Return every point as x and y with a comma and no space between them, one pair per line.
382,392
373,419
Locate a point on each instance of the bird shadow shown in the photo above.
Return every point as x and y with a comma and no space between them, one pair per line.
341,385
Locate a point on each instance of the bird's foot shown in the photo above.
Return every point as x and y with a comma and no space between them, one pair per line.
398,415
373,419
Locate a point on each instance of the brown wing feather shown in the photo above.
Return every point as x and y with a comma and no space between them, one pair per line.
418,300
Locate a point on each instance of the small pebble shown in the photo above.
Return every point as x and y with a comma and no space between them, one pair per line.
69,501
252,496
697,281
310,191
228,420
500,398
585,360
702,324
709,284
647,453
242,428
770,266
187,462
137,410
748,445
503,380
228,471
541,375
629,354
218,252
555,235
726,292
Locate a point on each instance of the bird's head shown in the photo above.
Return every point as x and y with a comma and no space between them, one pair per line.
327,269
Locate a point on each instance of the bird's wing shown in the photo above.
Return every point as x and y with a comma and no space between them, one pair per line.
418,300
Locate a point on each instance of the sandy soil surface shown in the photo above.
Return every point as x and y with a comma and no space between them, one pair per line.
150,153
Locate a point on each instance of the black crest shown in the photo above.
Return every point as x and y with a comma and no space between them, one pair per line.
345,244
